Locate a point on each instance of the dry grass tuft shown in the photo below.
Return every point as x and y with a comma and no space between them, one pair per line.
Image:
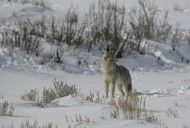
90,97
79,119
48,125
150,117
132,106
103,117
27,124
87,120
6,109
30,96
177,104
187,80
48,97
161,125
185,126
172,113
93,97
66,118
115,114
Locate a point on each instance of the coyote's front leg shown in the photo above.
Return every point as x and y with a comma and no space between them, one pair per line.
113,89
106,88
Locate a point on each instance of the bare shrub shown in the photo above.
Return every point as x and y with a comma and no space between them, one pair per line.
175,38
54,56
104,25
63,89
107,26
30,96
28,42
150,21
48,97
6,109
38,28
163,29
72,29
69,30
137,33
148,15
22,38
144,24
58,56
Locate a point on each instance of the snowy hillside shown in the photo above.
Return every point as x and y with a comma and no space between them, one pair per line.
159,70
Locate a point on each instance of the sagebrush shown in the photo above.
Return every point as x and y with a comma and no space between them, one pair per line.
103,25
6,108
63,89
50,95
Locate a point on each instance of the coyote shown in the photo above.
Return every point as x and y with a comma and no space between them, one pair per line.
115,74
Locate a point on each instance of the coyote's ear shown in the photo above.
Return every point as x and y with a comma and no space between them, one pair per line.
107,49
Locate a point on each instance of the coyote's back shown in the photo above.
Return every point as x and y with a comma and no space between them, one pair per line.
115,74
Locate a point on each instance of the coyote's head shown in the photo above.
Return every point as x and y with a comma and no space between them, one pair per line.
108,57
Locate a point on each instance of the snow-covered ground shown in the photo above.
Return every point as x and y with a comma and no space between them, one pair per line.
162,90
164,81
